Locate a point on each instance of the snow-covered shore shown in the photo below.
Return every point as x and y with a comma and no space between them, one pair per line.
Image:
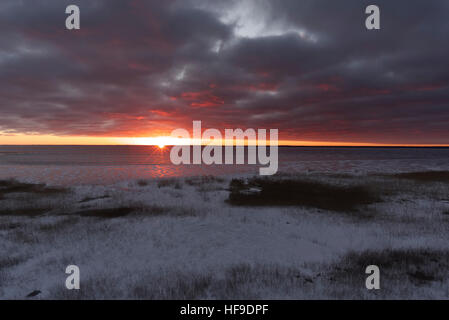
180,238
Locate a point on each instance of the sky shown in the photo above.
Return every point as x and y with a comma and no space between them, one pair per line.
140,69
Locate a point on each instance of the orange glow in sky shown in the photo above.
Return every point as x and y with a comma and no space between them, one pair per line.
161,141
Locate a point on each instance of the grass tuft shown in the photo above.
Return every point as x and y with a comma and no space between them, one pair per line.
143,183
202,180
153,210
403,273
26,212
88,199
106,213
169,182
13,186
425,176
276,192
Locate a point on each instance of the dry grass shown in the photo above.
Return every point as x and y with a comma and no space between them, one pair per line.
5,264
169,182
202,180
27,212
283,192
425,176
57,226
88,199
106,213
404,274
13,186
8,262
117,212
241,281
143,183
10,225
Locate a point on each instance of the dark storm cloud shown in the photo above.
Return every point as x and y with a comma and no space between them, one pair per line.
309,68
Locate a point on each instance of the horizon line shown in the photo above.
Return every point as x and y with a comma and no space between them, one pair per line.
246,145
161,140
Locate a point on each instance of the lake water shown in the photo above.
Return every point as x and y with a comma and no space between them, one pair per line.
67,165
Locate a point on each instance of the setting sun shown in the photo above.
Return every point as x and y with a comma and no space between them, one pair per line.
160,141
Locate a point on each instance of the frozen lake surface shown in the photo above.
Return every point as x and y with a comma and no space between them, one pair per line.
77,165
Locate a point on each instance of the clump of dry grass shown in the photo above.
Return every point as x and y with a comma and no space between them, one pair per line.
288,192
59,225
202,180
14,186
88,199
169,182
143,183
8,262
27,212
137,210
403,274
241,281
29,199
106,212
10,225
5,264
425,176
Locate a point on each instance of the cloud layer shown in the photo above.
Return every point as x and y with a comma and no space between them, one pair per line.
309,68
